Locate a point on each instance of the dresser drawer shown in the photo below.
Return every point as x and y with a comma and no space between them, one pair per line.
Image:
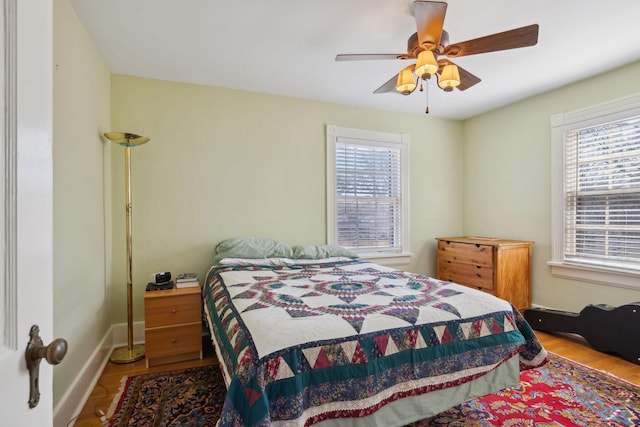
173,340
176,310
468,253
475,276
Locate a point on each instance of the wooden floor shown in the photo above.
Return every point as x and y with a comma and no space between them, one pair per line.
569,346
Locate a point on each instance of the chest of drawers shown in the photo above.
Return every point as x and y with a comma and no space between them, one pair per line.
173,320
500,267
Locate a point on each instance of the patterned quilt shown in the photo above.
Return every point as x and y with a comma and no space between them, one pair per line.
301,344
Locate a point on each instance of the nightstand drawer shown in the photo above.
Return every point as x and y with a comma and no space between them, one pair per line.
471,275
169,341
176,310
468,253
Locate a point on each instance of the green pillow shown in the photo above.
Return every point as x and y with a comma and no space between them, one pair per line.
250,247
321,251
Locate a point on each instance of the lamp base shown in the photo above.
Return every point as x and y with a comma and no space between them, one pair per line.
126,355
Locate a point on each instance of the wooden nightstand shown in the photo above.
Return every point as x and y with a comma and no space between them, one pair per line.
497,266
173,325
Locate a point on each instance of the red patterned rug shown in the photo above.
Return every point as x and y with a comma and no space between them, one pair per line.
561,393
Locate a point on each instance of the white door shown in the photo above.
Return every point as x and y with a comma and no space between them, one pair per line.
26,232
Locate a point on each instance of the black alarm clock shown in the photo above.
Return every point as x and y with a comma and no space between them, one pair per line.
161,278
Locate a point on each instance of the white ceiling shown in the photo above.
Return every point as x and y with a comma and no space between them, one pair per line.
288,47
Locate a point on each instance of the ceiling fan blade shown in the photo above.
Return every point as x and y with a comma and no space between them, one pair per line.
369,56
512,39
466,79
429,21
389,86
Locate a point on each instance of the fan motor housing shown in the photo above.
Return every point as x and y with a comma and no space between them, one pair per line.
414,47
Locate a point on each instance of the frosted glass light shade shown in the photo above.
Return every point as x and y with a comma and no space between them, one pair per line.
426,64
405,84
449,78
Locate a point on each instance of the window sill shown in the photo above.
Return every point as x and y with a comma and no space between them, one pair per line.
387,259
602,276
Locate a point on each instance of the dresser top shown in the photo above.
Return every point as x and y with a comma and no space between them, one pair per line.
482,240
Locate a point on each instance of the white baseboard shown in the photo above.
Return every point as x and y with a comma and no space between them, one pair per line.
76,396
120,333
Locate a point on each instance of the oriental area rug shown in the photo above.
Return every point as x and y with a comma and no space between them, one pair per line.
561,393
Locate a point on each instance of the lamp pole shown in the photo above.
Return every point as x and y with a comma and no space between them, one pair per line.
131,352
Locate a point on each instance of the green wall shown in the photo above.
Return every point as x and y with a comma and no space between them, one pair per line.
227,163
81,193
507,180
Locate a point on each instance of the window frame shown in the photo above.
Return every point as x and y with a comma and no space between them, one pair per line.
373,138
601,274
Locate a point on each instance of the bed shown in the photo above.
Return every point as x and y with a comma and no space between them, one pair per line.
317,337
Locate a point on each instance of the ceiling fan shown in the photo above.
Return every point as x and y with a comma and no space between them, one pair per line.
430,47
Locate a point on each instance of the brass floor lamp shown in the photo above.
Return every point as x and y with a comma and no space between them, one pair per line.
131,352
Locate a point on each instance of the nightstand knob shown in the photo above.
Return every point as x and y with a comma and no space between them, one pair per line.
173,341
174,311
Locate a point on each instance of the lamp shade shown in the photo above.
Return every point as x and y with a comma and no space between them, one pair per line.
405,84
126,139
449,78
426,64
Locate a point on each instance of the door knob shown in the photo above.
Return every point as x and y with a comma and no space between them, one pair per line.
36,351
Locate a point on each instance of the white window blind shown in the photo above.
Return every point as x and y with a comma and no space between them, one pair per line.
368,196
368,193
602,194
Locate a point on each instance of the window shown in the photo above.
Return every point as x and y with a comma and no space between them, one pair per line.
596,193
367,193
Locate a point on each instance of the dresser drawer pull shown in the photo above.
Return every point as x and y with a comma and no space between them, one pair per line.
174,311
173,341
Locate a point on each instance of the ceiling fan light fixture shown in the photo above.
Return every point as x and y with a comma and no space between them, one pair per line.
426,64
449,78
405,84
431,42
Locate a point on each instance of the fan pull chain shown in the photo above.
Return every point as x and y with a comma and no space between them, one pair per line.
426,98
